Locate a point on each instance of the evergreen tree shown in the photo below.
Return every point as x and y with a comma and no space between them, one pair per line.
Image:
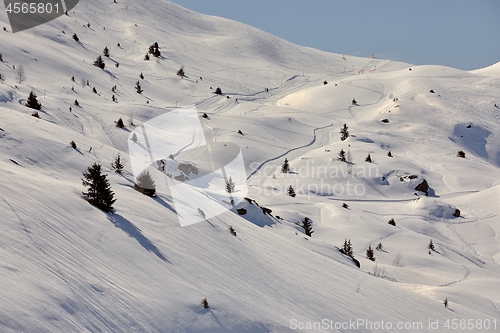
146,57
134,137
117,164
99,62
145,184
99,192
141,76
344,132
218,91
341,157
76,103
32,102
291,191
204,302
72,144
347,248
306,224
285,167
94,90
389,154
119,123
368,158
138,87
75,37
431,246
106,52
369,253
230,186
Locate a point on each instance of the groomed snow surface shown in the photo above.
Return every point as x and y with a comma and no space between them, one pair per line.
67,267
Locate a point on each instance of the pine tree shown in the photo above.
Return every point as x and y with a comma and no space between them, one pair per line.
32,102
344,131
99,192
285,167
117,164
75,37
431,246
145,184
306,224
146,57
347,248
445,302
134,137
369,253
106,52
94,90
230,186
354,102
368,158
72,144
99,62
291,191
119,123
341,157
138,87
218,91
76,103
389,154
204,302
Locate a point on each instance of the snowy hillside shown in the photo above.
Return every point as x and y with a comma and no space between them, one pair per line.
68,267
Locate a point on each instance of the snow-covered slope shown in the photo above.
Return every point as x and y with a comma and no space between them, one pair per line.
68,267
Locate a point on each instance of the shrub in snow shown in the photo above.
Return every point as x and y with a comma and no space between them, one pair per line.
379,247
76,102
32,102
155,50
354,102
241,211
146,57
344,133
231,230
306,224
230,185
141,76
94,90
385,121
117,164
285,167
204,302
99,192
105,52
134,137
138,87
389,154
431,91
75,37
431,246
145,184
344,205
325,83
392,222
218,91
456,213
368,159
342,157
205,116
240,132
181,72
119,123
291,191
445,302
461,154
369,253
35,114
99,62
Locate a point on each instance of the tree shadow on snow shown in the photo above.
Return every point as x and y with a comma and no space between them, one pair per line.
132,231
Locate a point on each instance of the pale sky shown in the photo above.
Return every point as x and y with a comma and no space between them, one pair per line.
464,34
